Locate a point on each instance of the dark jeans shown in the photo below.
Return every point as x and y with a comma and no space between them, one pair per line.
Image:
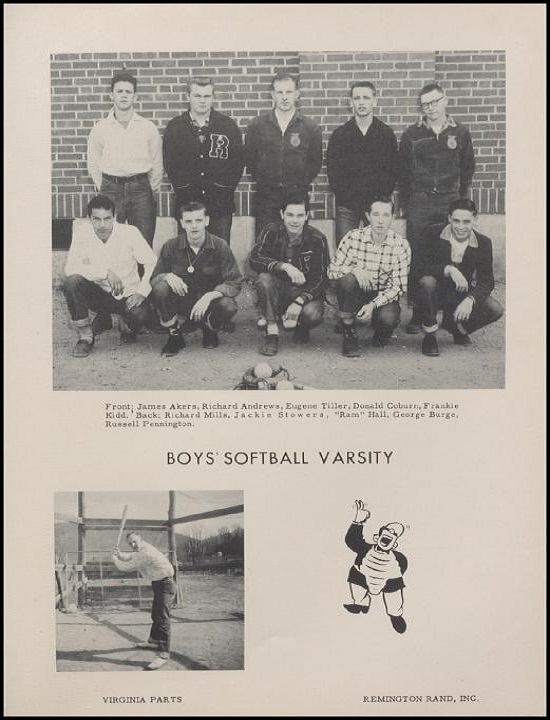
164,592
423,209
351,299
434,295
83,295
171,305
134,202
276,293
347,220
221,226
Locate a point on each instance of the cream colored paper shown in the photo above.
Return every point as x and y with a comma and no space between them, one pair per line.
470,493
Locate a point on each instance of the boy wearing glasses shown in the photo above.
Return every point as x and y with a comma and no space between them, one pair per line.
436,159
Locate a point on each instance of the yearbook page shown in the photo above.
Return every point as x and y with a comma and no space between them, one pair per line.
207,201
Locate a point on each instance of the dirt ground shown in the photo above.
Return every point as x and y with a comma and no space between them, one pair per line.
207,632
320,364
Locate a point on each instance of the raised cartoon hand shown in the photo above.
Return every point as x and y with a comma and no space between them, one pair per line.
361,512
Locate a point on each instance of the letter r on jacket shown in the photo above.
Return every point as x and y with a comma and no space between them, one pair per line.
219,146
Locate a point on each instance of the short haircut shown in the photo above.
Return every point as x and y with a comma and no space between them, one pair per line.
201,81
381,199
100,202
430,88
295,200
123,77
284,75
191,206
463,204
362,84
132,532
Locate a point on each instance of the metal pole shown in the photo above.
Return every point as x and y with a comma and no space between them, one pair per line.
172,544
81,543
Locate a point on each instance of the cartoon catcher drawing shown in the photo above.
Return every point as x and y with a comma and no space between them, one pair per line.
378,568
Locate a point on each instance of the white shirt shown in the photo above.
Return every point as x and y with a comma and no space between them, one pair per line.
125,151
148,561
126,247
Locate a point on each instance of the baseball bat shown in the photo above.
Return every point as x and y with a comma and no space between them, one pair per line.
122,523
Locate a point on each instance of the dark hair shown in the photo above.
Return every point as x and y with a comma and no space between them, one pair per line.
430,88
191,206
284,75
463,204
100,202
201,81
294,200
123,77
362,84
132,532
381,199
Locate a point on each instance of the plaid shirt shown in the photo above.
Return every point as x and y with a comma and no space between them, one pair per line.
388,263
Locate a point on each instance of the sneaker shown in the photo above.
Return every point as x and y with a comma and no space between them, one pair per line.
430,346
262,323
398,623
300,336
83,348
271,345
148,645
101,323
157,663
175,343
210,338
350,344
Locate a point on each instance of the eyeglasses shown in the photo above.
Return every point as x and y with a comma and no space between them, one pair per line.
432,103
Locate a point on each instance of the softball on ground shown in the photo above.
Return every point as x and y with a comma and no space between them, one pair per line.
263,370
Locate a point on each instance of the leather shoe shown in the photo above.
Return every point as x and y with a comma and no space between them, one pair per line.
352,608
300,336
398,623
461,338
83,348
270,346
430,346
350,343
210,338
175,343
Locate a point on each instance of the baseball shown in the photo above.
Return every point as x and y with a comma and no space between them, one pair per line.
263,370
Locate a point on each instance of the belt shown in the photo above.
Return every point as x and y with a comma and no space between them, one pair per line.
116,179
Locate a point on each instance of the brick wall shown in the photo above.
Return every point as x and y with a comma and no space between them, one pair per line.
80,96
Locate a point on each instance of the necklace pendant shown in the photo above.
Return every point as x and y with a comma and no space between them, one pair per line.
190,269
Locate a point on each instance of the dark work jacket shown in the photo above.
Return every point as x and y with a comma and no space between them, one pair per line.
431,163
290,161
310,257
476,265
361,166
210,171
214,267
